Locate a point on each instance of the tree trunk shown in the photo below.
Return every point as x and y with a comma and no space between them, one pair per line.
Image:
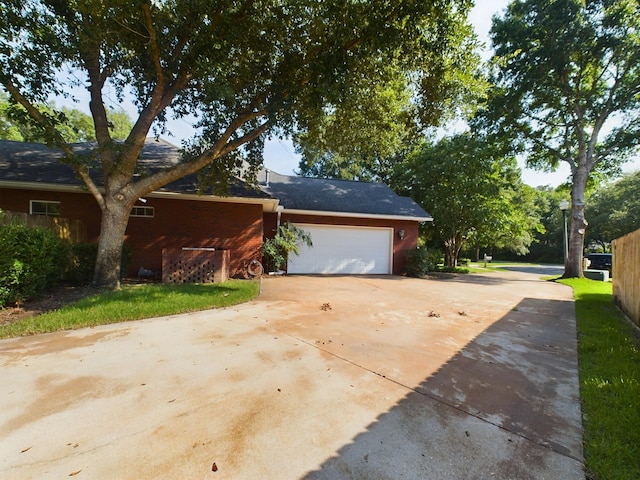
577,229
115,217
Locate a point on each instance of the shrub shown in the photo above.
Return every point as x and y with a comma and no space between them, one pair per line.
420,261
83,261
276,250
31,260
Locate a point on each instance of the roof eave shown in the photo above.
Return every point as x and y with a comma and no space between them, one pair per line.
268,204
376,216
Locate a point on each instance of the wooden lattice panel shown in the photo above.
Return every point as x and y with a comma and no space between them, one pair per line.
194,265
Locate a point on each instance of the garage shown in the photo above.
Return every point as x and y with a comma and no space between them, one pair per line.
344,250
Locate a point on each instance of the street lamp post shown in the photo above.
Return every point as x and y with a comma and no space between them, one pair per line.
564,206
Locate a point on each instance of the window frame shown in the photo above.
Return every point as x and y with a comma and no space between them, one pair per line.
47,211
144,208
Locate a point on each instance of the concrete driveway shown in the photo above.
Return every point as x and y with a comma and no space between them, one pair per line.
469,377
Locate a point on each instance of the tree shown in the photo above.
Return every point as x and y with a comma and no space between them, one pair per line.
75,126
567,89
332,148
473,192
614,210
247,69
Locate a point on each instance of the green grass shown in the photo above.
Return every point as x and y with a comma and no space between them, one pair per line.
609,357
135,302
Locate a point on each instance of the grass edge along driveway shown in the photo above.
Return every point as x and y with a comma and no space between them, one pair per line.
609,362
135,302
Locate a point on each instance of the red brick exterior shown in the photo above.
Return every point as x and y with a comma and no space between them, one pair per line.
176,224
410,228
179,223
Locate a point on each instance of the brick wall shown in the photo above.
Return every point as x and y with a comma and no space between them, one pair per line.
74,206
175,224
409,242
191,223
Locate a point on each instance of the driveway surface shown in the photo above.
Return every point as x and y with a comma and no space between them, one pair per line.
469,377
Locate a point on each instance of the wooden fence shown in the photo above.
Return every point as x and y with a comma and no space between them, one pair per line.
626,274
74,231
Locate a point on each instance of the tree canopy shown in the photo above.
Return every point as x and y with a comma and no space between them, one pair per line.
474,193
75,126
567,89
246,69
614,210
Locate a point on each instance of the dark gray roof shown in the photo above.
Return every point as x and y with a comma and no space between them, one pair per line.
37,163
341,196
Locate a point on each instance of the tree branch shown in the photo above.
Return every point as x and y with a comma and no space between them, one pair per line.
59,141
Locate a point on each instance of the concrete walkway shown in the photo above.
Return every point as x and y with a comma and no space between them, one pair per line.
469,377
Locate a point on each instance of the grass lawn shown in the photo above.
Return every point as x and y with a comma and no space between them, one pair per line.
135,302
609,357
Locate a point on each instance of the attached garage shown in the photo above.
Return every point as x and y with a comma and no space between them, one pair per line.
345,250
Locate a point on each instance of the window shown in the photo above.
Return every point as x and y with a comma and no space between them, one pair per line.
43,207
142,212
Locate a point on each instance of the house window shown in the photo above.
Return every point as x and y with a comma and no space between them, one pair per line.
142,212
43,207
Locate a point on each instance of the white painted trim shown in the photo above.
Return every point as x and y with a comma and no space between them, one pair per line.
268,204
356,215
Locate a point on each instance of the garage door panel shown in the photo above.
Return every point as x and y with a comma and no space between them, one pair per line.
344,250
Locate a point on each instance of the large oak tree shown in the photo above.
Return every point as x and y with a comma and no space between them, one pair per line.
246,69
567,89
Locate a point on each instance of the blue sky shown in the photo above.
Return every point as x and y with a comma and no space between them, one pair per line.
280,155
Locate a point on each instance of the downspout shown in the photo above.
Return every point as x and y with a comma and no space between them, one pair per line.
279,209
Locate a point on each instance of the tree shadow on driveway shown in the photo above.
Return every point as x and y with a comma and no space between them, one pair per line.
506,406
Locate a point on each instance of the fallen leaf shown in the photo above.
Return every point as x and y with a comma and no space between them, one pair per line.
73,474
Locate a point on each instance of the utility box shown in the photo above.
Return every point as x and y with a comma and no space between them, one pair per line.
602,275
194,265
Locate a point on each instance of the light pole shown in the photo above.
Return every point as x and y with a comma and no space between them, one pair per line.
564,206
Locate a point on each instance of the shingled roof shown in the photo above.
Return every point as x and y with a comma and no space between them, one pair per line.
36,165
316,195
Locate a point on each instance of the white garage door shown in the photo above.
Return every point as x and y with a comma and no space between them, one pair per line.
350,250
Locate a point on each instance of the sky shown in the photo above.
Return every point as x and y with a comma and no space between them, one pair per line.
280,155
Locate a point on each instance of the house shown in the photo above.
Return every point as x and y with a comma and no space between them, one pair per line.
356,227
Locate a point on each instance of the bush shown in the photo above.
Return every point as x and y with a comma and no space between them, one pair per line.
276,250
420,261
31,260
83,261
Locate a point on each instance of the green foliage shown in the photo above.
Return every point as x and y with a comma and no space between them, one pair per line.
474,193
614,210
245,70
83,261
288,239
134,303
420,261
609,352
31,260
74,125
566,78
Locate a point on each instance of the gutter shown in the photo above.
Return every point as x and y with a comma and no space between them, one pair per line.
410,218
268,204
